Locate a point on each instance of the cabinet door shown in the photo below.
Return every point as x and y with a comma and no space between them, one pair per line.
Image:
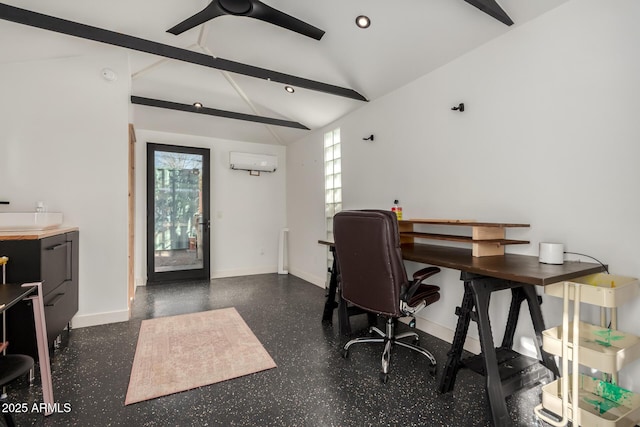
55,261
61,303
59,307
71,306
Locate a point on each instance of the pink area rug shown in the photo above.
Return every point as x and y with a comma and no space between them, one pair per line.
183,352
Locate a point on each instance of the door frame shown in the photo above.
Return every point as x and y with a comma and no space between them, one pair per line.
191,274
131,287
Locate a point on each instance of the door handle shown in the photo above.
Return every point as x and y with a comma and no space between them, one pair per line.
58,246
206,224
54,300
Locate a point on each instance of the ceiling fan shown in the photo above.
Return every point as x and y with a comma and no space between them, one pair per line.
251,8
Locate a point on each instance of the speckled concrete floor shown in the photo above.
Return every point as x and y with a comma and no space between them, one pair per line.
312,385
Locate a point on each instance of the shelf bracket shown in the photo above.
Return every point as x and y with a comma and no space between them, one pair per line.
480,249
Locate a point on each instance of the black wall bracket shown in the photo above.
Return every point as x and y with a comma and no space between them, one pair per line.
460,107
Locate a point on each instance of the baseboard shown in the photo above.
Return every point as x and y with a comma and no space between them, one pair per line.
243,272
228,273
471,344
318,281
86,320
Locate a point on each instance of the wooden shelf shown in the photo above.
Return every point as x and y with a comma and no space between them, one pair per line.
487,238
464,239
464,222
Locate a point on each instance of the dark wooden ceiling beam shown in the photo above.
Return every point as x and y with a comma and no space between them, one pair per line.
150,102
51,23
491,8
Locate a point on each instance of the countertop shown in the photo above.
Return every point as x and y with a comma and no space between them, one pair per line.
35,234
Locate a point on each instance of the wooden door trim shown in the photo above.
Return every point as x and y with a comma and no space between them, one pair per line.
132,216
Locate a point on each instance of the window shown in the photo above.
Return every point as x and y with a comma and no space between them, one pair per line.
332,181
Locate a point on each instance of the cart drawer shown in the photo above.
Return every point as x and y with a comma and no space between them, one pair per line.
601,404
604,290
606,350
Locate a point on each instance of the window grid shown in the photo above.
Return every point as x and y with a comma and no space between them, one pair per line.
332,182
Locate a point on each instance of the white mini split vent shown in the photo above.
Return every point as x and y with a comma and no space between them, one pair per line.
254,163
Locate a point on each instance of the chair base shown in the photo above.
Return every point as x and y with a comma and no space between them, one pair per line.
389,339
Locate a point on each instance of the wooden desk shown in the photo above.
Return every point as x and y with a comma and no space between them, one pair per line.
483,276
518,268
13,293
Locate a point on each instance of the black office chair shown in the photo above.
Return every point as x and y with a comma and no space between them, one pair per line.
13,366
373,277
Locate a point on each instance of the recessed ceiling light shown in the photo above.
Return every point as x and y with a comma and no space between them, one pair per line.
289,89
363,21
197,104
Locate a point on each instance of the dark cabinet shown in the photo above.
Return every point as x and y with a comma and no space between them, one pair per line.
52,260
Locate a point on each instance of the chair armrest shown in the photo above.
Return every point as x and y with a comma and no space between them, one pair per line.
418,277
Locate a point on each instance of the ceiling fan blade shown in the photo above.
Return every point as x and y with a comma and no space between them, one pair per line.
268,14
211,11
491,8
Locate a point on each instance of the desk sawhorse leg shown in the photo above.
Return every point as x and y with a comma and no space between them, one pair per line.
330,304
477,293
344,325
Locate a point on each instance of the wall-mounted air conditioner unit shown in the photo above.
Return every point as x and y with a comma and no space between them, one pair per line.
253,162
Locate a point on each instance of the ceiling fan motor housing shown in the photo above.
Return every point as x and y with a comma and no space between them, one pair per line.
236,7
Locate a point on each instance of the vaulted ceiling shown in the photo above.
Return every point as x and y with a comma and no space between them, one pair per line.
406,39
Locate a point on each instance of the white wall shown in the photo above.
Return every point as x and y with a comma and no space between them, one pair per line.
247,212
63,139
305,209
549,137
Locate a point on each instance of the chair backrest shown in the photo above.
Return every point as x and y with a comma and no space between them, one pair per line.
369,258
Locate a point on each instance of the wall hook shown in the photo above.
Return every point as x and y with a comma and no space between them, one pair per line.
460,107
369,138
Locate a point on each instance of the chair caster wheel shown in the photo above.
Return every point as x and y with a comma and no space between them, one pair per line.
345,354
384,377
